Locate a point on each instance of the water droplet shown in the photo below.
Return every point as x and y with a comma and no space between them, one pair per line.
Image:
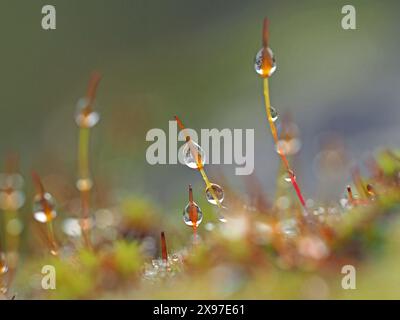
84,117
274,114
221,217
192,214
289,175
214,190
84,184
43,208
193,154
265,64
3,263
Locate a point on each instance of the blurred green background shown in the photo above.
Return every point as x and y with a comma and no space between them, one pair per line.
194,59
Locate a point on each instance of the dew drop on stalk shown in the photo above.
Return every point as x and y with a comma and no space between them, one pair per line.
192,215
274,114
265,64
217,191
289,175
85,117
44,208
193,154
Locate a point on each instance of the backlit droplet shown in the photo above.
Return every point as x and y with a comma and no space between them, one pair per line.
193,154
220,215
3,263
217,191
44,208
84,184
85,117
274,114
289,175
265,64
195,218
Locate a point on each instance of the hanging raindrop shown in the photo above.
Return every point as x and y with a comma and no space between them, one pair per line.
274,114
193,155
265,64
289,175
44,208
85,117
217,192
192,215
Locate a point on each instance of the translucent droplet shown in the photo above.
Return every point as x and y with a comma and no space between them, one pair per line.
194,217
192,154
289,175
214,190
84,118
3,263
43,208
84,184
221,217
274,114
265,64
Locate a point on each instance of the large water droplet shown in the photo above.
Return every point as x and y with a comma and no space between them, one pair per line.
193,154
44,208
215,191
83,118
265,64
192,215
